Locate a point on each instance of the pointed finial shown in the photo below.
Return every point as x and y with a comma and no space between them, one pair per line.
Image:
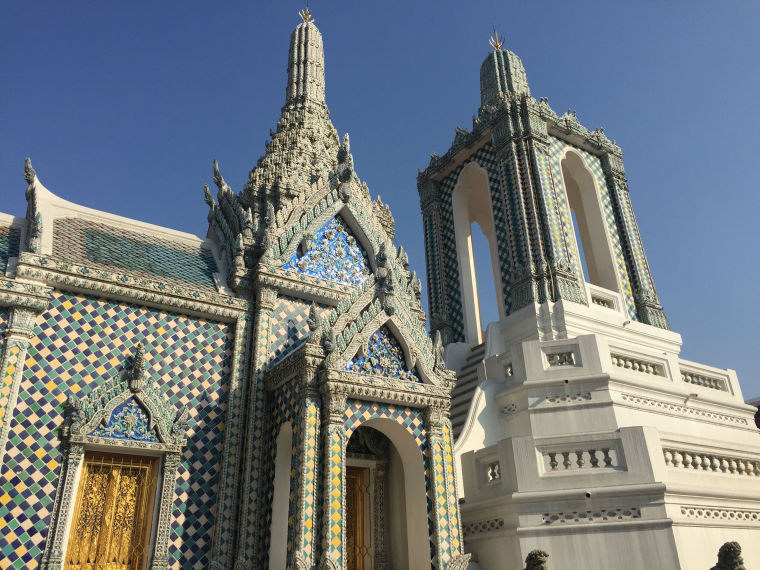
495,41
305,14
29,173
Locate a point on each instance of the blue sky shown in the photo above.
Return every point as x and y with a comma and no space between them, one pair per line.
122,107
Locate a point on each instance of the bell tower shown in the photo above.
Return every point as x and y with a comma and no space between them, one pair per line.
577,427
551,198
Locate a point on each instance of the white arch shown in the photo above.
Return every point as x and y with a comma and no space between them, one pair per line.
278,529
584,198
471,202
416,552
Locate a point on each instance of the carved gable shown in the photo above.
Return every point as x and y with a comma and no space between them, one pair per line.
126,410
334,254
383,357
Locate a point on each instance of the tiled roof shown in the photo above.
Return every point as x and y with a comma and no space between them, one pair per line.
9,243
87,241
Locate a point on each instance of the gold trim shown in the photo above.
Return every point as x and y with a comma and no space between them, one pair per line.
495,41
306,16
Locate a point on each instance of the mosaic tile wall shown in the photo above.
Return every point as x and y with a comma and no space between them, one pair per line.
289,327
10,239
87,241
451,304
336,255
557,149
78,341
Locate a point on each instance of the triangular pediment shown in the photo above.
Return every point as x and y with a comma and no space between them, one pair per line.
383,356
129,409
128,421
334,253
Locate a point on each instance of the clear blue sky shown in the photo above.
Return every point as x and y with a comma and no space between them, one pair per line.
123,106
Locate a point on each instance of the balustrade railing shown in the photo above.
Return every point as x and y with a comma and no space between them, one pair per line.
712,462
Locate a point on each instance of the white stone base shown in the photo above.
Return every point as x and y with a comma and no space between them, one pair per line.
603,448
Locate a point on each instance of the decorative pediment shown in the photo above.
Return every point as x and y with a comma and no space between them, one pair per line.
383,356
333,253
372,342
127,410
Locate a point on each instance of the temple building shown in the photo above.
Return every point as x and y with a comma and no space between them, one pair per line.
273,396
267,396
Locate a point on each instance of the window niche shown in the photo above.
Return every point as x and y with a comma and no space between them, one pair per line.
126,425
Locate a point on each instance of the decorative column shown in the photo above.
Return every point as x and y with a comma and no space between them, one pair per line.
161,545
526,278
379,558
250,548
229,488
443,492
333,500
304,511
52,559
17,336
648,305
430,203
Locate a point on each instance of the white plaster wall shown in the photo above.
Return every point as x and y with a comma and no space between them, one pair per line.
396,514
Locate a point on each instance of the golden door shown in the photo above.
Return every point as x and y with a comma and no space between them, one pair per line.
111,529
357,515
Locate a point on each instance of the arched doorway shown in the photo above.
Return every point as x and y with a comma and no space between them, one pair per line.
385,499
471,203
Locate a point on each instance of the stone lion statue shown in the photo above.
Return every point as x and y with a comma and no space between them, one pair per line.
536,560
730,557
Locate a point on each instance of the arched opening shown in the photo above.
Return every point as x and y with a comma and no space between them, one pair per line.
471,202
278,541
385,498
594,251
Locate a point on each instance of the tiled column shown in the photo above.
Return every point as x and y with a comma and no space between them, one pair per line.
305,507
17,335
161,544
437,491
250,548
229,488
333,503
647,302
448,531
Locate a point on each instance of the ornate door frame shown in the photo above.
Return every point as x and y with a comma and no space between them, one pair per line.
124,415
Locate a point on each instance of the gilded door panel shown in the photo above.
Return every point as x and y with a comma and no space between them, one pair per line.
110,530
357,514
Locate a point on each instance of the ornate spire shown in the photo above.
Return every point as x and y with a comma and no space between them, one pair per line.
502,72
306,64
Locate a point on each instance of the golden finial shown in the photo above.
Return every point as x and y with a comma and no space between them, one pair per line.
495,41
306,15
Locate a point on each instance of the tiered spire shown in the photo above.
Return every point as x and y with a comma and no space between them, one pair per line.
306,64
501,72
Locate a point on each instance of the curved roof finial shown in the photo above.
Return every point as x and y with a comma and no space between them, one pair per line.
305,14
495,41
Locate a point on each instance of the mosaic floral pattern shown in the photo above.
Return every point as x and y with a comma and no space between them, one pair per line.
128,421
384,357
336,255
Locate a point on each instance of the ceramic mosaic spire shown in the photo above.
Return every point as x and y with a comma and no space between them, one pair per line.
306,65
501,72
